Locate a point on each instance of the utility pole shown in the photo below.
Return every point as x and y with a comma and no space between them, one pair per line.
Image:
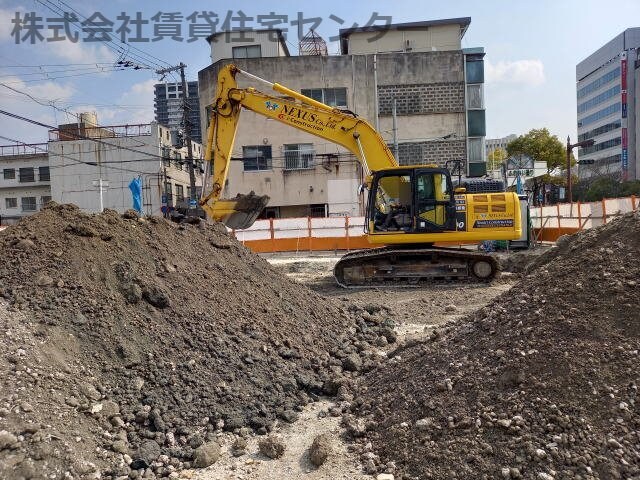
570,147
193,199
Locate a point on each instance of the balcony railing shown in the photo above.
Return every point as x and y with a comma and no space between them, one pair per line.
298,159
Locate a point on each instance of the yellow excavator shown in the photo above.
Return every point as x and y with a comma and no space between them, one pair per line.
409,208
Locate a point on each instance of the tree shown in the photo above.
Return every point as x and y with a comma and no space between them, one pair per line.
495,158
541,146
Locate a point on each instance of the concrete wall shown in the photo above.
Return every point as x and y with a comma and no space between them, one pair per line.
13,188
223,43
439,37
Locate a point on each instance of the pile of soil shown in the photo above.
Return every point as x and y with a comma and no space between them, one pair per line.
540,384
129,344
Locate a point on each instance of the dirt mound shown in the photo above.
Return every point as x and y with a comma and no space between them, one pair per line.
129,343
540,384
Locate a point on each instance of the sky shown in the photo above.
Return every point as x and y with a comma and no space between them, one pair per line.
532,48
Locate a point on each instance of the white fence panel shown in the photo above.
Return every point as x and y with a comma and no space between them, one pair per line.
291,227
260,230
328,227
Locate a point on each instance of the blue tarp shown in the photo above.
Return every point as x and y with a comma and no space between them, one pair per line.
136,191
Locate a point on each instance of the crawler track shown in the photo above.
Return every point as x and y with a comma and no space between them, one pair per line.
408,267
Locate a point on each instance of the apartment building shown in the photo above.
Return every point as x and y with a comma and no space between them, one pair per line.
436,85
24,181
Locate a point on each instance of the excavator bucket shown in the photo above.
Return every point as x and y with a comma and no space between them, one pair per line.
237,213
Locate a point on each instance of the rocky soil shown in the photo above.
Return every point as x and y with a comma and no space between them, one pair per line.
130,345
540,384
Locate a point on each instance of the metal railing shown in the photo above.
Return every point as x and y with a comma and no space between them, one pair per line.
298,159
24,149
80,132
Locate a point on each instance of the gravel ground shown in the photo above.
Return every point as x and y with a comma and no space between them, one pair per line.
414,311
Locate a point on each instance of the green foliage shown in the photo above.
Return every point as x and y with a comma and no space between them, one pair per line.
605,187
495,158
541,146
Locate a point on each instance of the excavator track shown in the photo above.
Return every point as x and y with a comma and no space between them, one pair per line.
407,267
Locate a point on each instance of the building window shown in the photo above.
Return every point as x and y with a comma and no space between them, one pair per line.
600,114
600,130
248,51
198,192
298,156
476,150
257,157
28,204
27,175
598,99
9,173
474,97
614,142
477,126
45,199
475,70
318,210
334,97
179,193
43,174
11,203
603,80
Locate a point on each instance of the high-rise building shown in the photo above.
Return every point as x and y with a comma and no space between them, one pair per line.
168,107
607,87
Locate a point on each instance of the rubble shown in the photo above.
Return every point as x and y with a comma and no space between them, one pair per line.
540,384
127,342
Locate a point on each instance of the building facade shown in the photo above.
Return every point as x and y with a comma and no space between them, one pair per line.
24,181
608,86
95,170
437,88
168,107
492,144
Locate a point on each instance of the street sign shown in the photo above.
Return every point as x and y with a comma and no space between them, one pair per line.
192,203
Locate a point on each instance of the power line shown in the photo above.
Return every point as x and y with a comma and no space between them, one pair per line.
122,53
75,160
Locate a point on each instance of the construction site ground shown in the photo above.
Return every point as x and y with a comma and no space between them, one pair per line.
415,312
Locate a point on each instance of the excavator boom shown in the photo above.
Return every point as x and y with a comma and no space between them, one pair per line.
409,207
294,109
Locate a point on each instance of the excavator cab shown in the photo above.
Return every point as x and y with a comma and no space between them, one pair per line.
411,200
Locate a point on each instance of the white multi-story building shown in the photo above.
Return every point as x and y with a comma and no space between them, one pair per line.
607,86
492,144
24,181
92,167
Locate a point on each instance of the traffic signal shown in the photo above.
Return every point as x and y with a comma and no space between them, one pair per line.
590,161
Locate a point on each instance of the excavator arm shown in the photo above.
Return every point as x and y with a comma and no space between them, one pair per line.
292,108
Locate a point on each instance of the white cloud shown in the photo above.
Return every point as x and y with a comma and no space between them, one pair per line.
81,52
139,94
519,72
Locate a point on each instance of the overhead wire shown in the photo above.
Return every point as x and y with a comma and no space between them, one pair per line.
143,57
